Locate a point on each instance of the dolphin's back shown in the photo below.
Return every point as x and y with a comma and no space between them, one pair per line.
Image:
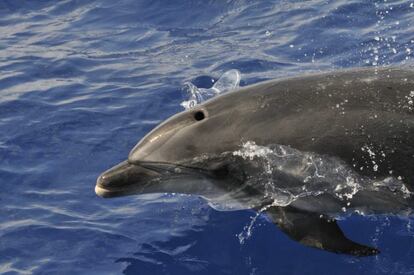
386,89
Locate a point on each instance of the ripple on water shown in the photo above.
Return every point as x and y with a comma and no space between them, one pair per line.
82,82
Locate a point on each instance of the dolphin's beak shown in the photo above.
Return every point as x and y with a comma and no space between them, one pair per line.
124,179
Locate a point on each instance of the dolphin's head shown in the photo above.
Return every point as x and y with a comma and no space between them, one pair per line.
128,179
163,160
177,139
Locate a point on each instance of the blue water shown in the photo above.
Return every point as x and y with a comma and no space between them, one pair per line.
82,81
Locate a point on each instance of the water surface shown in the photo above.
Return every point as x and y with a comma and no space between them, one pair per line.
82,81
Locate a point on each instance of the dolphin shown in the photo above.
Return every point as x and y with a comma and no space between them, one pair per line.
305,150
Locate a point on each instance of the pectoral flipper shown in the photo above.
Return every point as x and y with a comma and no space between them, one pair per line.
314,230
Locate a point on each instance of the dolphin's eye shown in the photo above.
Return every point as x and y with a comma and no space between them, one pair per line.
199,115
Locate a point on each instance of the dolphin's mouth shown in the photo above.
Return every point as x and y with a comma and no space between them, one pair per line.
139,178
106,193
126,179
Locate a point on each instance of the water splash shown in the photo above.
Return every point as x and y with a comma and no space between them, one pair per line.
229,81
410,101
387,43
312,173
248,229
289,175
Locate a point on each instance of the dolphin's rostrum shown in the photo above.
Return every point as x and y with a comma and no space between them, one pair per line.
305,149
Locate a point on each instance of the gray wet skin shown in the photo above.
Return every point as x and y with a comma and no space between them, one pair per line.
333,114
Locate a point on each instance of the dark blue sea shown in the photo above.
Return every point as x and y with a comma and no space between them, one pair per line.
82,81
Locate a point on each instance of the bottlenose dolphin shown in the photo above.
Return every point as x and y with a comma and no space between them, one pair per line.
305,150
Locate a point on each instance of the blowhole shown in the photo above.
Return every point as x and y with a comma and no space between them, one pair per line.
199,115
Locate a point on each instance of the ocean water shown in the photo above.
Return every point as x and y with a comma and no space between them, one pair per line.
82,81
